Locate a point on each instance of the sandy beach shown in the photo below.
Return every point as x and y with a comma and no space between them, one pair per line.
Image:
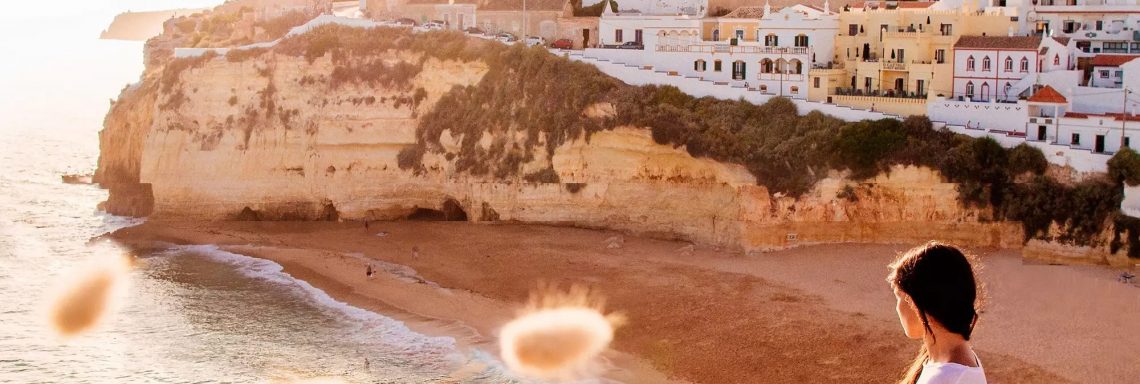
812,314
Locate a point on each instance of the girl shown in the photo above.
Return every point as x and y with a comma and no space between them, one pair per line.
937,298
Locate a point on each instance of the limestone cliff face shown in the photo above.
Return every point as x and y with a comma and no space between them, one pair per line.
274,138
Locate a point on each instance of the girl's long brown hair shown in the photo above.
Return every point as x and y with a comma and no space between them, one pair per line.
939,279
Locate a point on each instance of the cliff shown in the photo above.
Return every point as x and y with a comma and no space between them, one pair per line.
350,124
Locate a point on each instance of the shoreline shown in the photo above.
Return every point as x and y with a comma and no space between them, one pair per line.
700,315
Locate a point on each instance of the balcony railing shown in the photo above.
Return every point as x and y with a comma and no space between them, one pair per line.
894,66
877,93
726,48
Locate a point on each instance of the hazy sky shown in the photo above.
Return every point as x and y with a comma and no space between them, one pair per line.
55,73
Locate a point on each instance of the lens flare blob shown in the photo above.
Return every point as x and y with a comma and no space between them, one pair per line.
558,335
88,293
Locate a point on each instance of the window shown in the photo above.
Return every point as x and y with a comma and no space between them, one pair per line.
617,36
637,36
801,41
920,87
1076,139
940,56
1100,25
763,88
985,91
1119,74
970,64
716,66
946,29
739,34
716,35
1005,91
1135,47
815,83
766,66
985,64
771,40
1024,64
1104,74
795,89
852,29
1115,47
700,65
970,90
867,82
738,70
1008,64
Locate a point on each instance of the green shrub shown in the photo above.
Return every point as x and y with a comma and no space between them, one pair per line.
1124,167
1027,159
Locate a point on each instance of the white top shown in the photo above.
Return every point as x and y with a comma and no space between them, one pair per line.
952,373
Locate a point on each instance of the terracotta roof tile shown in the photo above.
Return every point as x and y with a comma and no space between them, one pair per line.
747,12
901,4
1003,42
1048,95
1111,60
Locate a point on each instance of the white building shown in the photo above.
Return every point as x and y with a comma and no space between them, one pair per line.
1004,68
770,51
1098,26
987,67
1107,71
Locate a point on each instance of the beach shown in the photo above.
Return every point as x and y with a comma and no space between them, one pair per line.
695,314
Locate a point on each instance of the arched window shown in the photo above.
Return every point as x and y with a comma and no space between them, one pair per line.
801,40
1024,64
716,35
766,66
1005,92
985,91
985,64
699,65
795,89
771,40
1056,59
763,88
738,70
797,67
970,90
970,64
1008,67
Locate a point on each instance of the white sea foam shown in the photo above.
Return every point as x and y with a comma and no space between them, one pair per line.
390,331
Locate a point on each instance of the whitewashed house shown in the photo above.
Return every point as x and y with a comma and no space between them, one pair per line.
1097,26
987,67
771,53
1107,71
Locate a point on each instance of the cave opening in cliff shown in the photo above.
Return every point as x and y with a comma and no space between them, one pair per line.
450,211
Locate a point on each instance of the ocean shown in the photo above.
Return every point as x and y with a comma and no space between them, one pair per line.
193,314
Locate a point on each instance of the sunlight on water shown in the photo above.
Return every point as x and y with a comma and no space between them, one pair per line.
559,335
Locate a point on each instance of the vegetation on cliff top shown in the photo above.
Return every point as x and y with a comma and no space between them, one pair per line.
530,102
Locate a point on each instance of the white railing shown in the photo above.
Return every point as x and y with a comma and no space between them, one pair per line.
725,48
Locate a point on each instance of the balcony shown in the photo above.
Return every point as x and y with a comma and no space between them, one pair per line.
893,66
890,93
726,48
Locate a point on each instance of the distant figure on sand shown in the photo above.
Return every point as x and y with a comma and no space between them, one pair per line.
369,272
936,299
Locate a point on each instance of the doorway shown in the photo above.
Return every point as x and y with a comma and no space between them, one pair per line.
585,37
1041,133
866,51
1099,146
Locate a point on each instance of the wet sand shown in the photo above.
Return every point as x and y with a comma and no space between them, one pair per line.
813,314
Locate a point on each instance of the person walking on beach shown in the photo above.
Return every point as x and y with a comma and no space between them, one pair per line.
936,299
369,272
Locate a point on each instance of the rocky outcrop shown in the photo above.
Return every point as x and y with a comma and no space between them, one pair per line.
271,138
